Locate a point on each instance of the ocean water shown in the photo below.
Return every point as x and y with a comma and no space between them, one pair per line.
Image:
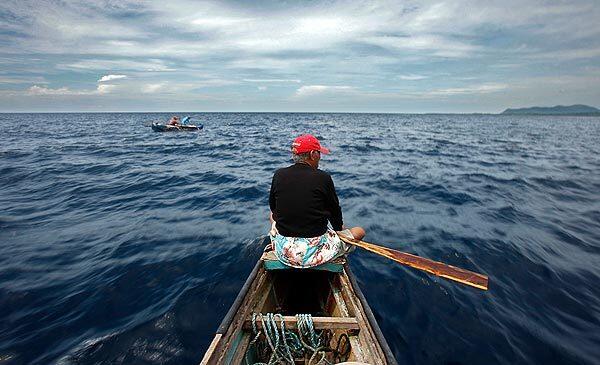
119,245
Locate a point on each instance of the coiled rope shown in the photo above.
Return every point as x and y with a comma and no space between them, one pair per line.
284,345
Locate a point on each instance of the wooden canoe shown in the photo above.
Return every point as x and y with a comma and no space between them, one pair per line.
329,293
157,127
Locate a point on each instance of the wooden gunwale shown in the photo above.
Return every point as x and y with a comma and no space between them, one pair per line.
249,301
387,352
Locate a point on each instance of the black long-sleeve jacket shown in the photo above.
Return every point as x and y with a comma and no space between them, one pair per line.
302,200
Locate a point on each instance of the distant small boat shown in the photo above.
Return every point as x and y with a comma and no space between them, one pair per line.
157,127
324,303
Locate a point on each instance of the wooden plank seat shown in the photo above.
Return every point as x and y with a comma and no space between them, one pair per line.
319,323
271,262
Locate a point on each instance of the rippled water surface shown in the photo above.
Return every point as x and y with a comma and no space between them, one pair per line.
119,245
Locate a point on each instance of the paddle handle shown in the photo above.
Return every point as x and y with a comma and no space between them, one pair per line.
440,269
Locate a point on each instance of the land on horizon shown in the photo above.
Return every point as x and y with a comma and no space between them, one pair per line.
577,109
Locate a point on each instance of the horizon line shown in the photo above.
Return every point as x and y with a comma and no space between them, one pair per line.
287,112
233,112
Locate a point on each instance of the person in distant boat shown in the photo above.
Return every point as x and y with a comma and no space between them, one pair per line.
174,120
303,200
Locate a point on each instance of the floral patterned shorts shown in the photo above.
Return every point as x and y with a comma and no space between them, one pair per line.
302,252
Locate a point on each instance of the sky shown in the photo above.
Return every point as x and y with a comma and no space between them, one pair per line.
456,56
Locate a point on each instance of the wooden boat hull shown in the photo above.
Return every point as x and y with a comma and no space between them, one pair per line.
175,128
332,298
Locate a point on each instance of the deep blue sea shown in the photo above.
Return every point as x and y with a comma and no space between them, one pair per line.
119,245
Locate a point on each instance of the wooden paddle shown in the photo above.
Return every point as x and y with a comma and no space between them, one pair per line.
433,267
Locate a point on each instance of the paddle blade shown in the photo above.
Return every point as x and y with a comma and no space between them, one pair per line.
433,267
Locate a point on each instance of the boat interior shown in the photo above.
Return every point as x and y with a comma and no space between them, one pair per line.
337,316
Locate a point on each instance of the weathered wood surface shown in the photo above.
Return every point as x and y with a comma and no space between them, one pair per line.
433,267
369,349
320,323
211,349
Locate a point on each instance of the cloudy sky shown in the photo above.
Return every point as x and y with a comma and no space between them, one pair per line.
348,56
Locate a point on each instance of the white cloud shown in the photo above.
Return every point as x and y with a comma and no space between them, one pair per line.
322,26
215,22
154,65
42,90
412,77
111,77
270,64
311,90
179,88
473,89
222,27
213,83
36,90
431,44
105,88
487,88
567,54
153,88
22,80
273,80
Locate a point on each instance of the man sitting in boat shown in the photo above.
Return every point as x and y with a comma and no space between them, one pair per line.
174,120
302,201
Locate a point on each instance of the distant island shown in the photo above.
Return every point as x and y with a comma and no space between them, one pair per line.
577,109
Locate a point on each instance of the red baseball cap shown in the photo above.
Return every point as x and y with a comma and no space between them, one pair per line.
307,143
